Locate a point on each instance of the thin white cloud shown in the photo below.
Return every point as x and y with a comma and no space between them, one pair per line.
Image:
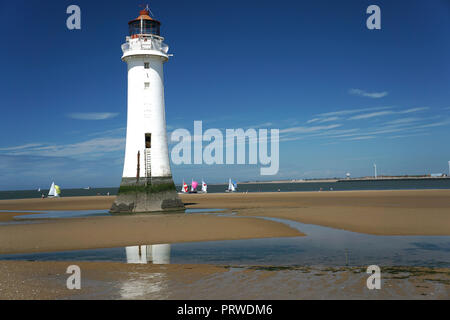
313,120
361,138
352,111
410,135
373,95
286,139
93,148
322,120
22,147
92,115
403,121
345,135
388,129
408,126
334,132
111,132
413,110
372,132
260,125
393,127
434,124
309,129
371,115
385,113
369,132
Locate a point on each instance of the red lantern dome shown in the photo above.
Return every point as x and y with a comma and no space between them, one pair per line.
144,25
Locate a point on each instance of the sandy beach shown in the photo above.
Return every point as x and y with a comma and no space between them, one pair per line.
393,212
120,231
58,204
415,212
47,280
108,232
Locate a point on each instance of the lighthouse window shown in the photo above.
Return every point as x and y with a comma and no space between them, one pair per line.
147,27
148,140
146,85
146,65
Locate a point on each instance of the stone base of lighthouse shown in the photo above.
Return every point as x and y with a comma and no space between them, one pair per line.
146,195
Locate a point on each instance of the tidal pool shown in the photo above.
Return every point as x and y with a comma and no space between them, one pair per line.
322,246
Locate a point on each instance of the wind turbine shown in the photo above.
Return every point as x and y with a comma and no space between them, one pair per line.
375,167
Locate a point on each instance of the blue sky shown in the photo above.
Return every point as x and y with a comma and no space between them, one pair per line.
342,96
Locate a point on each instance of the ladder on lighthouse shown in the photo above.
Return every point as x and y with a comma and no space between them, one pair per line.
148,156
148,162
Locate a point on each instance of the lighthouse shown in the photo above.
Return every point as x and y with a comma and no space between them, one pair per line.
147,183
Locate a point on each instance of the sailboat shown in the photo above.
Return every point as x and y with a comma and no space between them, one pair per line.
185,187
39,190
55,191
232,186
204,187
194,186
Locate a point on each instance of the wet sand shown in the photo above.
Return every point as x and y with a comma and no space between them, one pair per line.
411,212
130,230
47,280
58,204
399,212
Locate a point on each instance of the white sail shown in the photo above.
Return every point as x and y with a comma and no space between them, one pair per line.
231,186
52,192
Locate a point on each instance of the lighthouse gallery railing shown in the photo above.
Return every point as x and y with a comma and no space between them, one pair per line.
149,44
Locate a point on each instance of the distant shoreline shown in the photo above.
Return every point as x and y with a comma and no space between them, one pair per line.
289,181
326,180
382,178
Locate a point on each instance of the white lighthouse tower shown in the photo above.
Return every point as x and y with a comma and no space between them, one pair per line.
147,183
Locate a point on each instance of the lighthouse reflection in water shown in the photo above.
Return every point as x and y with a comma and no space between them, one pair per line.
155,254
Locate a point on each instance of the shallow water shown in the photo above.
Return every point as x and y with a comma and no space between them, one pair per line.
85,213
321,246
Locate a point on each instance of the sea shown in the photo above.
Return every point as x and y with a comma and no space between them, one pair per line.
340,185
